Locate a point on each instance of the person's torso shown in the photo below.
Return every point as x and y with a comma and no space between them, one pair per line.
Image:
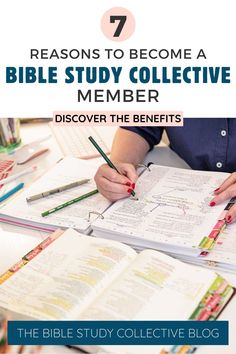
206,143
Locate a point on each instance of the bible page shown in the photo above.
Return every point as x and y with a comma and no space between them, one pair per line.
154,287
64,277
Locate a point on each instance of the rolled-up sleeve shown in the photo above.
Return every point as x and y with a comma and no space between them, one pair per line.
151,134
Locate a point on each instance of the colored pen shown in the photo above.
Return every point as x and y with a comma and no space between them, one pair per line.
57,190
11,192
17,175
70,202
108,161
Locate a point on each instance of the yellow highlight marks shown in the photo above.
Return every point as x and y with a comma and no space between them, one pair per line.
152,275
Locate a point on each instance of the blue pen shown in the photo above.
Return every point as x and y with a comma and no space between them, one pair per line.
11,192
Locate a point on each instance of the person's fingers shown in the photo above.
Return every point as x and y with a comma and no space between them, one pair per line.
230,192
110,195
226,184
129,171
115,177
117,188
231,214
111,175
111,184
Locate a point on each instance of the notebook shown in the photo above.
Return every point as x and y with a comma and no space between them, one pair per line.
78,216
222,256
172,212
71,276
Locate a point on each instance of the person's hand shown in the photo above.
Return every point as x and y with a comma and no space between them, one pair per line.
113,185
226,191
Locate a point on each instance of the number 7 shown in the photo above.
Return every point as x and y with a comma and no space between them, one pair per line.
122,20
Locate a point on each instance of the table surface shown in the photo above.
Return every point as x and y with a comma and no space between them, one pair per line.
16,241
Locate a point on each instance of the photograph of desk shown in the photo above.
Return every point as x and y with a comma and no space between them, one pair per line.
11,249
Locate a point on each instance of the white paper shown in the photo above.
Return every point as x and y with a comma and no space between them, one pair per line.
153,287
64,277
14,244
75,216
224,250
172,208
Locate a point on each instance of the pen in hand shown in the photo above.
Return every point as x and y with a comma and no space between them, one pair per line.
108,161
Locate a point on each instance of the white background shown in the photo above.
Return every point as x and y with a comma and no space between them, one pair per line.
26,24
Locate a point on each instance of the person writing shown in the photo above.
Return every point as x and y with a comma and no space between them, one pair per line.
204,143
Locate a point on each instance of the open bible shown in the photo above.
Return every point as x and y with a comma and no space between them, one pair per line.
73,276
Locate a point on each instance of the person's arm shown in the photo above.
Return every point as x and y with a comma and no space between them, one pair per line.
128,150
128,147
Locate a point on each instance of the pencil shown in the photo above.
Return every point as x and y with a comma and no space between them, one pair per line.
108,161
70,202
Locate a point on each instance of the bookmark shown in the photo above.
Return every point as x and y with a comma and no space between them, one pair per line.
208,242
30,255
